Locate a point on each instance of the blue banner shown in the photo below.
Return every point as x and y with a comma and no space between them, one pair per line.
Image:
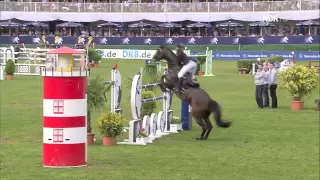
162,40
238,55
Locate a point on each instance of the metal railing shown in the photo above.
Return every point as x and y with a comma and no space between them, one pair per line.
298,5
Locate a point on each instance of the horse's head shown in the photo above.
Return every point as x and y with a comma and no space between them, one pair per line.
162,53
165,53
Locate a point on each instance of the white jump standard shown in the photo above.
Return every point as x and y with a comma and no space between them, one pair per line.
116,90
154,126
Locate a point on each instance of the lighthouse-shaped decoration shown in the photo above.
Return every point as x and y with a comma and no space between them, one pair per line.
65,109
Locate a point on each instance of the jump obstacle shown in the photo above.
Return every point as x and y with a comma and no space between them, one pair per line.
156,125
116,90
34,60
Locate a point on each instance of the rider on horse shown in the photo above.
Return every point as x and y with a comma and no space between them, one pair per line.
189,65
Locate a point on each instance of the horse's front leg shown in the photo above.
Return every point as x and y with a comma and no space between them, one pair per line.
162,84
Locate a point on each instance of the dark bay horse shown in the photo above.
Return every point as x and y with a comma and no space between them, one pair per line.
170,79
201,103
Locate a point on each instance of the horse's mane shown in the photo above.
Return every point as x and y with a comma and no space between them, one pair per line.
172,58
170,52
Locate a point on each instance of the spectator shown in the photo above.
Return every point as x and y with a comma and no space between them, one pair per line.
259,80
273,81
17,49
277,65
266,87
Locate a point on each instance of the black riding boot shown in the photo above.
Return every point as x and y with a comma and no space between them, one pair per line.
179,85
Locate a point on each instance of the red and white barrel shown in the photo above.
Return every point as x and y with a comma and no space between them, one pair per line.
64,116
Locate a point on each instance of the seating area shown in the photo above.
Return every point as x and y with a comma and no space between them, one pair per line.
143,6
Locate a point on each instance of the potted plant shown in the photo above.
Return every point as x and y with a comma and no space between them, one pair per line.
110,125
299,81
96,100
201,61
175,125
142,138
9,69
317,101
244,66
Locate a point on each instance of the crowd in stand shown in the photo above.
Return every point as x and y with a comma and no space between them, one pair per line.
171,6
160,32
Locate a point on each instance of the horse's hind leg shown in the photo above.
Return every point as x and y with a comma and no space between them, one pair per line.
203,127
209,126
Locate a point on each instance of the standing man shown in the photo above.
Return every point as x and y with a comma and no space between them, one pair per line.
266,87
259,80
273,81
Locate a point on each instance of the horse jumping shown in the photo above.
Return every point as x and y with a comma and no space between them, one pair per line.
201,103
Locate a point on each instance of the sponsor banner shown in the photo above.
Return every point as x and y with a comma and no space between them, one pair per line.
237,55
162,40
126,53
218,55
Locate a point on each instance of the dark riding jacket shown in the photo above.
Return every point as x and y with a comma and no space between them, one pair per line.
182,57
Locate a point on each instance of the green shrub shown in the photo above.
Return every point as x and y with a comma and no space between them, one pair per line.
151,69
201,62
299,81
201,59
10,67
175,120
198,68
244,64
96,57
148,108
273,59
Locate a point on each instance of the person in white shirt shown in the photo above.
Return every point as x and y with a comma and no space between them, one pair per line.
273,82
259,80
266,87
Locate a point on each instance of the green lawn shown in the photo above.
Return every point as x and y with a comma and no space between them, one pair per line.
272,47
267,144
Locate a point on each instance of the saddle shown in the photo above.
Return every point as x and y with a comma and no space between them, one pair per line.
188,82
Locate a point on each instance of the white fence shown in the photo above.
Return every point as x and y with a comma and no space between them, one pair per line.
260,6
31,61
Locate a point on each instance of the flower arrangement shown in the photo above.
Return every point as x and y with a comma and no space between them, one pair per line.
175,120
299,81
110,124
175,125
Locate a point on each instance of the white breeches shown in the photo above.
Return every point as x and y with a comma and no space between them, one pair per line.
191,67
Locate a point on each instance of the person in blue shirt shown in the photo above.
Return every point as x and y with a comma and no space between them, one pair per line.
277,65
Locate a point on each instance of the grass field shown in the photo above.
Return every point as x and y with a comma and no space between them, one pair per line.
272,47
262,144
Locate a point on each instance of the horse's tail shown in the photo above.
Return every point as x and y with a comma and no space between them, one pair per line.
216,110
